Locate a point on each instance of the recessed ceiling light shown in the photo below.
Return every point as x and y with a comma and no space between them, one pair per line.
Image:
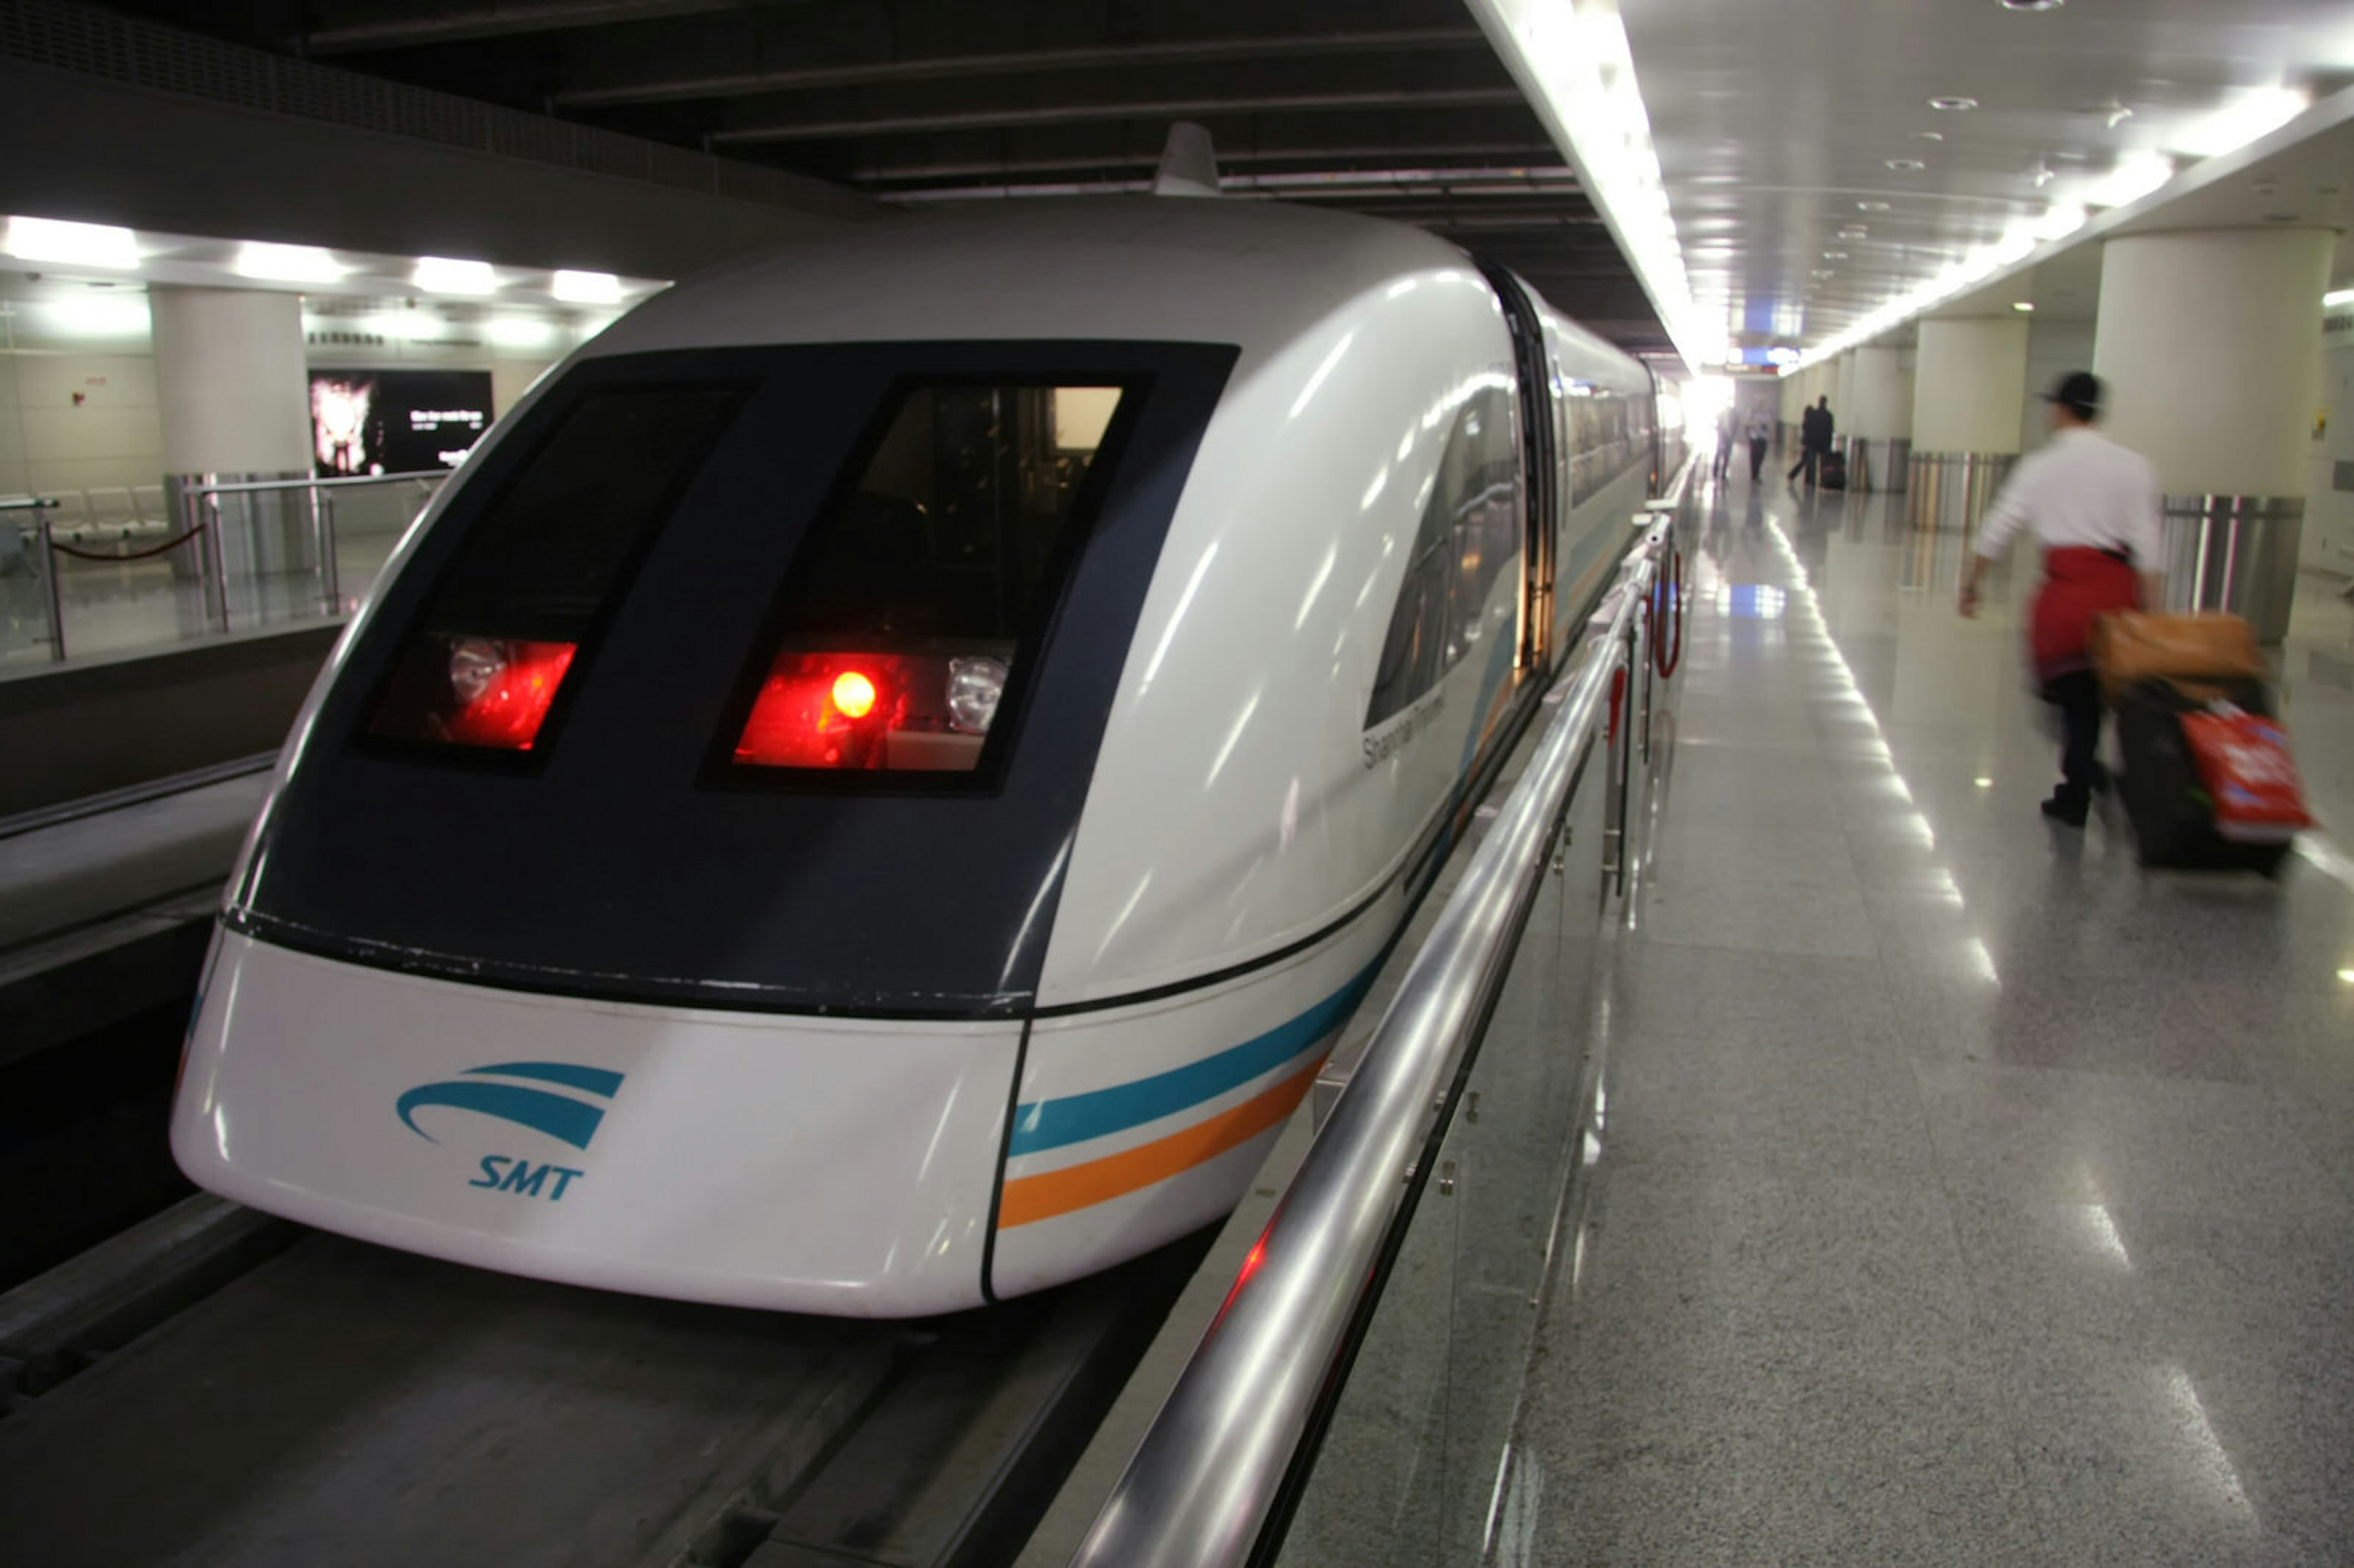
1953,105
2024,305
1834,255
1928,135
441,275
1826,272
588,288
1853,231
287,263
1872,206
2032,5
1907,165
72,244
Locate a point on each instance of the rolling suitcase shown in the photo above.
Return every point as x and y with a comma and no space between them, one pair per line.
1834,471
2173,814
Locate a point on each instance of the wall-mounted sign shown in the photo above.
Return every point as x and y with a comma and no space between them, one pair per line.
395,422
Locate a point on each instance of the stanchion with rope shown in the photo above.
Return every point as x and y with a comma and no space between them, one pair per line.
113,556
1668,609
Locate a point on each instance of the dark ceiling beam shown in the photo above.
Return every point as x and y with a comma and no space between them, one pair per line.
1205,51
1401,155
502,20
1081,113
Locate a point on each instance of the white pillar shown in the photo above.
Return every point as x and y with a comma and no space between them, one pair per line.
2210,345
1971,386
234,397
1876,408
1968,388
230,384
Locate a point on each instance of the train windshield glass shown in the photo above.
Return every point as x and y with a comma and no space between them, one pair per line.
542,566
898,640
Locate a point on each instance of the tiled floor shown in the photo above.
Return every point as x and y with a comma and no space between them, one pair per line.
1968,1195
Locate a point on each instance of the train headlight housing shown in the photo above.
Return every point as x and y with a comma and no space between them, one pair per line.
975,685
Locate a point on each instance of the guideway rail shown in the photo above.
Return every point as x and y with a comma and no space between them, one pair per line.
1210,1484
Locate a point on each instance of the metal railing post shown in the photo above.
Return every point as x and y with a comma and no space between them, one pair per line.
57,598
212,558
322,531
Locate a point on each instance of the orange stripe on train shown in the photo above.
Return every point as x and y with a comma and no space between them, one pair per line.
1027,1199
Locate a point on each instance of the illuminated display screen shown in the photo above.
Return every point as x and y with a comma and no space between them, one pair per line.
395,422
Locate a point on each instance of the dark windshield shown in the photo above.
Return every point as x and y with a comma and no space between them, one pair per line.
924,511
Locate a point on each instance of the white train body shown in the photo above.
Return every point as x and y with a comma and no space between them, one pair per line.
661,999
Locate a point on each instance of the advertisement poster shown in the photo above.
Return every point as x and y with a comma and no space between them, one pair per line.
395,422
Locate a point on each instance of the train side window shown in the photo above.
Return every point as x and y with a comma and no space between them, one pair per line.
1468,534
541,566
922,591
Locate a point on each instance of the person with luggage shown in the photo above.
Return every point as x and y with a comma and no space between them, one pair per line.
2093,507
1815,429
1761,430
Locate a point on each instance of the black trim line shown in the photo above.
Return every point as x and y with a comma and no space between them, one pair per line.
1004,1152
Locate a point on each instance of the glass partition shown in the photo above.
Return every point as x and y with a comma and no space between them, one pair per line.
1414,1462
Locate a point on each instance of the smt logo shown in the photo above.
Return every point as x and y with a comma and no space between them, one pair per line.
491,1091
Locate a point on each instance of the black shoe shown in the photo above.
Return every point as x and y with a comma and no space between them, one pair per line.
2067,812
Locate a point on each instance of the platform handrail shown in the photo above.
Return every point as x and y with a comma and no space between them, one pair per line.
251,486
1213,1470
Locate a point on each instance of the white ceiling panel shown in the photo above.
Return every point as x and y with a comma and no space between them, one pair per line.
1788,133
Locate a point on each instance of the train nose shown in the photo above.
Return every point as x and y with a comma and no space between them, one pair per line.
839,1166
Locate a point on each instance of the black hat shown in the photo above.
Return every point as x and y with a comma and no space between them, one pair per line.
2079,392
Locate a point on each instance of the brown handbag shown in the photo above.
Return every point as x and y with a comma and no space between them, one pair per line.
2129,645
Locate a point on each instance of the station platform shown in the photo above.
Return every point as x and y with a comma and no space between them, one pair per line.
1966,1193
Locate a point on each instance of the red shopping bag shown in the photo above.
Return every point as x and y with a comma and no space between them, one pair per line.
2242,760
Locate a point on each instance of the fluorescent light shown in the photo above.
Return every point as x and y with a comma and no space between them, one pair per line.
115,317
402,325
2021,305
519,332
72,244
2251,116
2134,177
287,263
2337,297
1572,61
588,288
440,275
2060,222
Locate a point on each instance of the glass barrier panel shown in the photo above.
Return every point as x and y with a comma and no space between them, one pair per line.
1515,1143
1415,1465
25,633
368,521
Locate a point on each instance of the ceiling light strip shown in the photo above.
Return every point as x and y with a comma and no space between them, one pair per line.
1572,62
2263,122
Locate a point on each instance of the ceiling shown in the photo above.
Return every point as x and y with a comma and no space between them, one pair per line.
1812,180
1393,107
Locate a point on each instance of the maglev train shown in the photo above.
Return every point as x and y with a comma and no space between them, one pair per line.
876,785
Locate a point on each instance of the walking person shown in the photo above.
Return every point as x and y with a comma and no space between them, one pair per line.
1724,462
1761,430
2093,507
1815,426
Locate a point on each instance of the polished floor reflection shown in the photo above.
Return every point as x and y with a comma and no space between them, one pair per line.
1969,1194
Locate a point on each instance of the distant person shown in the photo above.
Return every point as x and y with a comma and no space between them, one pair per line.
2094,506
1724,464
1815,426
1761,431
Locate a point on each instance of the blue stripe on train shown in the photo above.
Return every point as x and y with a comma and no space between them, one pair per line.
1050,1124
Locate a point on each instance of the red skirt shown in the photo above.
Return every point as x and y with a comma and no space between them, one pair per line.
2080,586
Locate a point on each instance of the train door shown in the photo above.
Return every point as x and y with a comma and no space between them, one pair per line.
1538,473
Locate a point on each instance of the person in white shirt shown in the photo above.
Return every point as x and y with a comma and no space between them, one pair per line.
1761,430
2093,507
